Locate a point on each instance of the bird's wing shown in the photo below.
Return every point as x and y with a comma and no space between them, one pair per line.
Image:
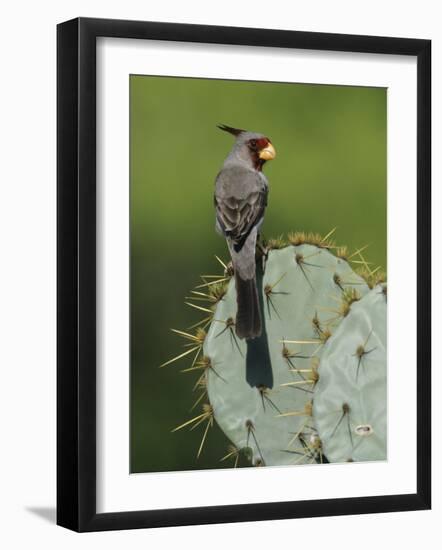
240,202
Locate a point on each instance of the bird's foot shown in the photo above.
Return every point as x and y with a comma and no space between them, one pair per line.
262,253
229,270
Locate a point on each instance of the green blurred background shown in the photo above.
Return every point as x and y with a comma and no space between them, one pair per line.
330,171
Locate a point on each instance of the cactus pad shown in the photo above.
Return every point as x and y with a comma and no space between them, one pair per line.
350,397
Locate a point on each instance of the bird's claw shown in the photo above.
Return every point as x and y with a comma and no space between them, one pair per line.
262,253
229,270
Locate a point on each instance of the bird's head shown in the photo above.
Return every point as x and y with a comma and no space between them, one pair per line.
250,147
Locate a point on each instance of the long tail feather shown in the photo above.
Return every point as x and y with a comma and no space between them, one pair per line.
248,317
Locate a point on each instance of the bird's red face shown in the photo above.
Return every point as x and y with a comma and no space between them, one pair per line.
261,150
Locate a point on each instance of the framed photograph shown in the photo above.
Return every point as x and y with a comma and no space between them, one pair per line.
233,204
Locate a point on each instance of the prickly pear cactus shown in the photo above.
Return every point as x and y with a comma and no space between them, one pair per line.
263,392
263,404
350,397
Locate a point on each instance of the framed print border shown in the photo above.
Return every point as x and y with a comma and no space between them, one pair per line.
77,286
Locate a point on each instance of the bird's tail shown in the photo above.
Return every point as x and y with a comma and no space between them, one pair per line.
248,317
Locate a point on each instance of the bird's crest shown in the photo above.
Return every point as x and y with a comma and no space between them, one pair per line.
233,131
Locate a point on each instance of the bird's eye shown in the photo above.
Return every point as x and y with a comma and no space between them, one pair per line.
253,142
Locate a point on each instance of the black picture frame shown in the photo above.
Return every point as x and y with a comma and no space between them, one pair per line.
76,274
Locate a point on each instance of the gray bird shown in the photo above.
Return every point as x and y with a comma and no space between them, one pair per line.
240,200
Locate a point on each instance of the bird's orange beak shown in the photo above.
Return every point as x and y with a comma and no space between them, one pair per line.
268,153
